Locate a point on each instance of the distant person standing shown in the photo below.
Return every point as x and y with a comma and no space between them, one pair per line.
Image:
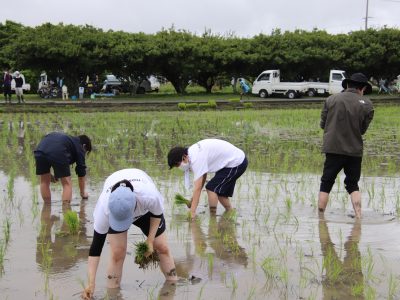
64,91
244,88
58,151
7,78
19,81
233,84
345,117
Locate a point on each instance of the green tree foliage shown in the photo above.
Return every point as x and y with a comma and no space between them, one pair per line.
9,32
73,52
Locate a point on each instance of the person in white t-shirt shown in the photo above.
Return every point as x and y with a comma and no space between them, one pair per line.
129,196
210,156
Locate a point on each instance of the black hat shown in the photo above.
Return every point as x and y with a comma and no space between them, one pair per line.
360,79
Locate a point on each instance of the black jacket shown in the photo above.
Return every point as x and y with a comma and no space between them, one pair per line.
63,149
18,82
345,118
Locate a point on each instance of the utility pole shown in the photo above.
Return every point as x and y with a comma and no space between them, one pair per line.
366,16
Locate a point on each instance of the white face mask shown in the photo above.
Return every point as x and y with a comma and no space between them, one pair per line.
184,166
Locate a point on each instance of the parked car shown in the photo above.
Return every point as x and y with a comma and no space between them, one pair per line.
127,85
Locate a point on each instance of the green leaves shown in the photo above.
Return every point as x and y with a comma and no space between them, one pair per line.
182,57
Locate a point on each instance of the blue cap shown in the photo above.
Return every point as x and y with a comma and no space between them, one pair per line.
121,204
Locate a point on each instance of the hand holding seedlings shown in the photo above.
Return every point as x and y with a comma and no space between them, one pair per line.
150,249
180,200
144,255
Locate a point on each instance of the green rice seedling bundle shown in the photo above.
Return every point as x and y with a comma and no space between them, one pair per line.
145,262
180,200
72,220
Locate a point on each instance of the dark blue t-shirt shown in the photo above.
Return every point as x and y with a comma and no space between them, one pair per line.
63,149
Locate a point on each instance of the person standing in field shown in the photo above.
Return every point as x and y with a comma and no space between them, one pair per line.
64,91
210,156
244,88
7,78
19,81
129,197
58,151
345,117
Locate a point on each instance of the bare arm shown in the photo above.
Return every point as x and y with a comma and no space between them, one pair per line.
198,185
82,187
154,223
93,263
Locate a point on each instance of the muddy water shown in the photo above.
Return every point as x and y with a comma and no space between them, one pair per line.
277,246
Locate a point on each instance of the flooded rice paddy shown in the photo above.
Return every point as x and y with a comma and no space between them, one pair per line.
276,246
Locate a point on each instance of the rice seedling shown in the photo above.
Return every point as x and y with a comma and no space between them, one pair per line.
332,266
200,294
210,259
181,200
142,260
288,203
2,255
72,221
269,267
358,290
393,287
10,185
6,231
369,293
252,291
368,266
47,262
230,215
234,283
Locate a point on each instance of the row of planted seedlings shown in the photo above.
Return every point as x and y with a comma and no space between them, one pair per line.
292,266
143,135
268,132
19,138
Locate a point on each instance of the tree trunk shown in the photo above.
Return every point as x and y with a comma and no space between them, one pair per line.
179,84
207,83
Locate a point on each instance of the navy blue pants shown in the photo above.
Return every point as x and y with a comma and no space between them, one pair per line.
223,183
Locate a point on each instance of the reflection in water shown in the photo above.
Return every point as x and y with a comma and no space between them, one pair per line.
167,292
21,137
342,280
57,251
222,238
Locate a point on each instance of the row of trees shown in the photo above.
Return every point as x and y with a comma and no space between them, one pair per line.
180,56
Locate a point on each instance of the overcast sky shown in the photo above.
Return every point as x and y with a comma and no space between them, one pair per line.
244,18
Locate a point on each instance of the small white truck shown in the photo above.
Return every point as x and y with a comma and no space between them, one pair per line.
334,85
268,83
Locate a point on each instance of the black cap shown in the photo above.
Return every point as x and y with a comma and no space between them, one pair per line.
360,79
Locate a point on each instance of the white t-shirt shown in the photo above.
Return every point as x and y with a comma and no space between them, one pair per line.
148,198
212,155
